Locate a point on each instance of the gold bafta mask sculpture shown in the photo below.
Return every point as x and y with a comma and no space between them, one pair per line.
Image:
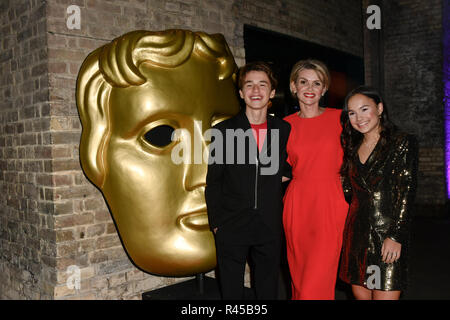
131,95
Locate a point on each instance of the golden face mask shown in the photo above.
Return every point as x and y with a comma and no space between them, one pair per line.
131,95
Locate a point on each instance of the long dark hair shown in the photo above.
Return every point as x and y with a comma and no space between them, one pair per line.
351,139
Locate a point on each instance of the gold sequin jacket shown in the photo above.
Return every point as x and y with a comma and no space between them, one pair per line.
381,192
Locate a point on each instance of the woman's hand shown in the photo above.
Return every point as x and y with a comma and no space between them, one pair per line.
390,251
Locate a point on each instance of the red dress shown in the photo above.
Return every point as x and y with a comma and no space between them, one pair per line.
314,205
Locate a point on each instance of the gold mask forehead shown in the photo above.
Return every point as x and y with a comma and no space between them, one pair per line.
126,85
119,61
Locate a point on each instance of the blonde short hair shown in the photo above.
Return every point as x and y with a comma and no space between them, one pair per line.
311,64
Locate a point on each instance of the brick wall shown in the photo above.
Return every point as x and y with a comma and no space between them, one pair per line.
332,23
431,180
411,58
26,239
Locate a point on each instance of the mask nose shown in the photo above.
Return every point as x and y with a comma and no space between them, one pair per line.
195,177
196,169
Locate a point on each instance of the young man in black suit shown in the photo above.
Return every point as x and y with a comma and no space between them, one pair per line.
244,189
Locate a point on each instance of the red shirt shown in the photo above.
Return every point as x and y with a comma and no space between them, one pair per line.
259,132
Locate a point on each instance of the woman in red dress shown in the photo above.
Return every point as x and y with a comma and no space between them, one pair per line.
314,205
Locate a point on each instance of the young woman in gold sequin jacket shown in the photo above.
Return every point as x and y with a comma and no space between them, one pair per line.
379,174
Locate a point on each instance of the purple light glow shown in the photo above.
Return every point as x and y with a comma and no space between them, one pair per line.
446,80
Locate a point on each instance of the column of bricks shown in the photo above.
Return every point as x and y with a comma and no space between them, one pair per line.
26,238
413,85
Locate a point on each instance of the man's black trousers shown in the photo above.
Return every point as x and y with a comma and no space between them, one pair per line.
264,264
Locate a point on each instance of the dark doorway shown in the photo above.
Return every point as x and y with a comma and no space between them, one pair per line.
282,51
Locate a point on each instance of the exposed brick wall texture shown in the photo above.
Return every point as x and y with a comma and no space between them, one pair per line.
413,84
333,23
26,237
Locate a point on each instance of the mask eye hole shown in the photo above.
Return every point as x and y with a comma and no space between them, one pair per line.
160,136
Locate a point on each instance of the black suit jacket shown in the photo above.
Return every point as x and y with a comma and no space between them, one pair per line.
244,197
